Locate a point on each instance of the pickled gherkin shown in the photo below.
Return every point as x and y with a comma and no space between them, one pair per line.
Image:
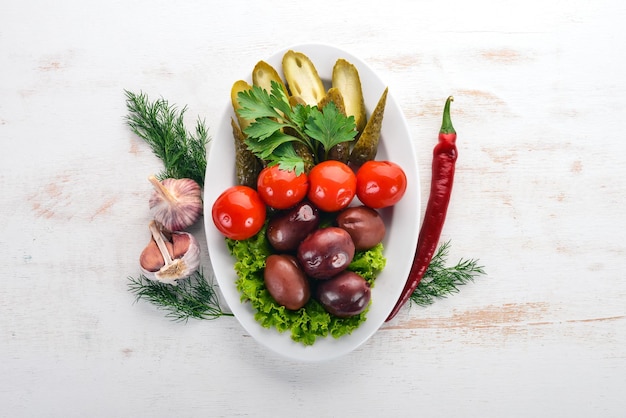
366,146
305,153
239,86
247,165
263,74
346,79
333,95
296,100
302,78
341,151
306,124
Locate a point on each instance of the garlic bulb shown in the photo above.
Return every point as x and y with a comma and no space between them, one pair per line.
176,203
170,255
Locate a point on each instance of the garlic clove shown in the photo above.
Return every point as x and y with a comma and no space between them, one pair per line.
176,203
151,258
183,267
180,244
166,261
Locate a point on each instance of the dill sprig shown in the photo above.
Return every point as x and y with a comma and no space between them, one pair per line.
183,154
162,126
193,297
440,281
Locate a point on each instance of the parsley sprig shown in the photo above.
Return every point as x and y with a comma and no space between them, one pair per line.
277,125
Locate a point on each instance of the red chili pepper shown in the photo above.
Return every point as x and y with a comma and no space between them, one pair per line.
444,158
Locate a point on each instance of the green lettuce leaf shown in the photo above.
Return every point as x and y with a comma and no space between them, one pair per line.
368,264
305,324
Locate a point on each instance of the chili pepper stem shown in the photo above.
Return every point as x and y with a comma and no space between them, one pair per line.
446,124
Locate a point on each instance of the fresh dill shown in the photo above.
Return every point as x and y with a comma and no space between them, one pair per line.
162,126
193,297
440,280
183,154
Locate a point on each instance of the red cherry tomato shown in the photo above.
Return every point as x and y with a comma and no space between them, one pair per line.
281,189
332,185
239,213
380,184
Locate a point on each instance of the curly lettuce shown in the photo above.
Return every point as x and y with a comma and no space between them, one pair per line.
310,322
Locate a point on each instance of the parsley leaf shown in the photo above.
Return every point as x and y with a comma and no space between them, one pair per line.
277,124
263,128
256,103
287,158
330,127
265,148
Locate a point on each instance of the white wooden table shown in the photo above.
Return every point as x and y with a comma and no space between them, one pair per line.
540,93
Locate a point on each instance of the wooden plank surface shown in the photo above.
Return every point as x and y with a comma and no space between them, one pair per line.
540,96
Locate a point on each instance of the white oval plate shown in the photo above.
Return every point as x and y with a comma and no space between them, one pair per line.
402,221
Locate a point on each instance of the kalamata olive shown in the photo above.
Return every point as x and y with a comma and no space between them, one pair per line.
326,252
346,294
364,225
286,230
286,282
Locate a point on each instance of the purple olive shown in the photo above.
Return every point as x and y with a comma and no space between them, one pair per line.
326,252
286,282
364,225
345,295
286,230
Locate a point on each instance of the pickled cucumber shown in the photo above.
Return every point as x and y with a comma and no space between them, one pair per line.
302,78
296,100
366,146
346,79
239,86
333,95
247,165
341,151
263,74
306,154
